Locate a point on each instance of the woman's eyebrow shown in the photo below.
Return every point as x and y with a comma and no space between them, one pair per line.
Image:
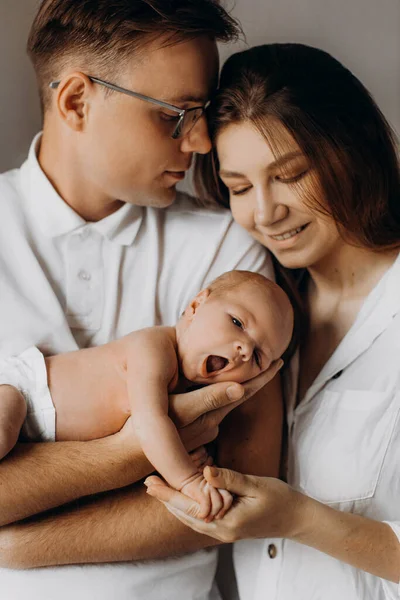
279,162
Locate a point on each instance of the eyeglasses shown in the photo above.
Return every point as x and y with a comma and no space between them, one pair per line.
186,118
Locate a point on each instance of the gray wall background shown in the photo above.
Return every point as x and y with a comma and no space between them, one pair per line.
363,34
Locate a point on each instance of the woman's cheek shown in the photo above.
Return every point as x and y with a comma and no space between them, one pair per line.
243,213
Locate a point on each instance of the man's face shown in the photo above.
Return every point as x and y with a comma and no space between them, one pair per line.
127,150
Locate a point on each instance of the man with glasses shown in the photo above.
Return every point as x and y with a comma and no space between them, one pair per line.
87,256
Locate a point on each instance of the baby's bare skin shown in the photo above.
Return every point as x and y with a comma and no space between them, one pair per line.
233,334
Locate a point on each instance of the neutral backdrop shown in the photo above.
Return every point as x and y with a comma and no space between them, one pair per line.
363,34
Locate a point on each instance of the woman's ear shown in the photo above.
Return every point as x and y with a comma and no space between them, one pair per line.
197,301
72,100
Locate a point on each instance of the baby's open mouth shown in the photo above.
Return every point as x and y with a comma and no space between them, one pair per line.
215,363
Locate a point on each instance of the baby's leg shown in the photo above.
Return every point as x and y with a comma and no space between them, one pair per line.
12,415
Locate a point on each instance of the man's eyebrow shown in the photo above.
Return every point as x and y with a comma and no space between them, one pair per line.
188,98
279,162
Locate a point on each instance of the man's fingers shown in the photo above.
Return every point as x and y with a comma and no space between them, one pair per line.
234,482
186,408
254,385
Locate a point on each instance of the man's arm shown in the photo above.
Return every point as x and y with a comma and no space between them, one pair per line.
122,526
128,516
37,477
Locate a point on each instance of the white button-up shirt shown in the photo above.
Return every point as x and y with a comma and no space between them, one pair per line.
66,284
344,451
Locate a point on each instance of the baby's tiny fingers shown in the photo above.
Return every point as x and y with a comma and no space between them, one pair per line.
227,500
216,503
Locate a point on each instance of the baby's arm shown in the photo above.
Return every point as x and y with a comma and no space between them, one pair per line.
12,415
151,367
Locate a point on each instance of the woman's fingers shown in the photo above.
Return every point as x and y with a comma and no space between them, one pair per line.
234,482
157,488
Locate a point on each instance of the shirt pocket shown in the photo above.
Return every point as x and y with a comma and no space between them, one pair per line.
339,446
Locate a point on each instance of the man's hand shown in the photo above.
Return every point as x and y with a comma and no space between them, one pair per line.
198,414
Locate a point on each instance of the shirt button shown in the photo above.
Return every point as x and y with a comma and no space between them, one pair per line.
272,551
84,275
337,375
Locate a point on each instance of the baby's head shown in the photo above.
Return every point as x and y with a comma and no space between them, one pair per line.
234,329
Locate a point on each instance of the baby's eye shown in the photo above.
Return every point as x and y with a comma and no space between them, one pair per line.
256,357
237,323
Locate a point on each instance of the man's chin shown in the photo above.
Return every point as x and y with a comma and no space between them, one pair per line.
154,199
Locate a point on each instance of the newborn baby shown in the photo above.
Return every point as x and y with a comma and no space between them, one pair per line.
231,331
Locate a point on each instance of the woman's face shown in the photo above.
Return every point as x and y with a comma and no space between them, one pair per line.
265,201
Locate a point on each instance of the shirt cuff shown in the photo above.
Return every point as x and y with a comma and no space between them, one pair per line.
392,590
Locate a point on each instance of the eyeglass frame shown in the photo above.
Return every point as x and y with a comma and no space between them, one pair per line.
181,111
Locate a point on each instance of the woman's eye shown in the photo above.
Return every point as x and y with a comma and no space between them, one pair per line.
291,179
240,192
237,323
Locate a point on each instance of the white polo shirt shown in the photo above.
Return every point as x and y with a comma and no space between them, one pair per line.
345,452
66,284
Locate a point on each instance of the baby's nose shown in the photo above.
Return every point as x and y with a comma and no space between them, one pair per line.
244,349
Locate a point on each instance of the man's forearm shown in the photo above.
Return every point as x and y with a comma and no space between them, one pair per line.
37,477
126,525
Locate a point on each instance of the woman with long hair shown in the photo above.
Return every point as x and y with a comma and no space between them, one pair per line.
308,165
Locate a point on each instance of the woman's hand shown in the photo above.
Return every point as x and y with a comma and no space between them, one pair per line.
263,506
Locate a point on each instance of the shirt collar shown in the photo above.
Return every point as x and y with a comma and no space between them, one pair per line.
375,316
55,218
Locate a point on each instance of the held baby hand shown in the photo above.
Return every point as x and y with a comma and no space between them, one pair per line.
212,503
263,507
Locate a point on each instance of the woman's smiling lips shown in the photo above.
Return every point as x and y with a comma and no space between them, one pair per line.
290,234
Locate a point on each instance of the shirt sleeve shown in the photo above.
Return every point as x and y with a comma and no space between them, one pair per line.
240,251
392,590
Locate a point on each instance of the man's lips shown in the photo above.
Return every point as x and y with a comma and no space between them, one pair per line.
178,175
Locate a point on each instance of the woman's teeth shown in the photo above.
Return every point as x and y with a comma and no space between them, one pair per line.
287,235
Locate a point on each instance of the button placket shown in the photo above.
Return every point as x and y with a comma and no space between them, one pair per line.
85,279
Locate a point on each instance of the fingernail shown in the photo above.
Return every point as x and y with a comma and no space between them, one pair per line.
281,363
145,483
234,393
213,471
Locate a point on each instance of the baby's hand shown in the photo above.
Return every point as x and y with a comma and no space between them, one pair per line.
201,458
213,503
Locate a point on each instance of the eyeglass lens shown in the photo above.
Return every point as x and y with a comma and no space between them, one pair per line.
189,121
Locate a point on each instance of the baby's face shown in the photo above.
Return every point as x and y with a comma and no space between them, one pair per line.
233,337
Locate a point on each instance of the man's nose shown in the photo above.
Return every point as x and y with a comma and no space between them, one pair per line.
198,139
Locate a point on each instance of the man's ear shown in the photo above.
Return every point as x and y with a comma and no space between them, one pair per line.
72,101
196,302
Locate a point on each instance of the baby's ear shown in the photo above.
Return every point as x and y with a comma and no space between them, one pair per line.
196,302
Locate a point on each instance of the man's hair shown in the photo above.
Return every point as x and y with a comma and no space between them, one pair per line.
302,91
104,33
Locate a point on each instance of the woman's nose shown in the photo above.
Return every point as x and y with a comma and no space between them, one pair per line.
268,210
